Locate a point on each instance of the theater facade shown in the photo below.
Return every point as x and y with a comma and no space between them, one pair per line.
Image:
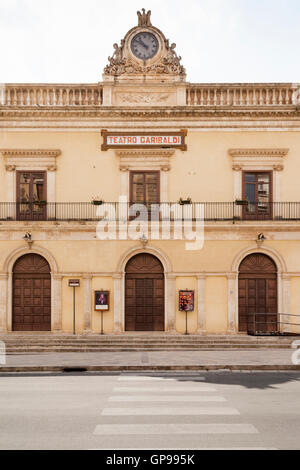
149,203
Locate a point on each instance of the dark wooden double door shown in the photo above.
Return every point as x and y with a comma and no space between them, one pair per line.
258,295
31,294
144,294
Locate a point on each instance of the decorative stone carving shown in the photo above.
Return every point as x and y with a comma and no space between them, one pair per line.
244,159
10,167
278,167
165,62
30,158
144,98
144,18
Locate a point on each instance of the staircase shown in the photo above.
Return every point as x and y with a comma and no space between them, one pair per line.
20,343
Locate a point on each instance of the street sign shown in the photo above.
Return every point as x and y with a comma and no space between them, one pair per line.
74,282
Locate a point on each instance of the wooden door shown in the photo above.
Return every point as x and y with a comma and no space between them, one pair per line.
258,295
31,294
144,294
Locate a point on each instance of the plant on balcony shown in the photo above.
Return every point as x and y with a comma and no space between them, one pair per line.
241,202
96,201
40,203
183,202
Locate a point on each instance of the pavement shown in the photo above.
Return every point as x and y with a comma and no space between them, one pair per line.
157,410
233,359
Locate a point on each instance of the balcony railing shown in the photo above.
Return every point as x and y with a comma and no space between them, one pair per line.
207,211
218,95
51,95
197,94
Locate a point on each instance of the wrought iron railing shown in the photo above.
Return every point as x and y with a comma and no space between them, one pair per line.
273,324
207,211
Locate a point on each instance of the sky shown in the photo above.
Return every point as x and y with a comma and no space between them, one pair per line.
220,41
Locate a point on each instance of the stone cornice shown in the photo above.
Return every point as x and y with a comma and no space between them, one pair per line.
145,152
150,112
256,152
29,153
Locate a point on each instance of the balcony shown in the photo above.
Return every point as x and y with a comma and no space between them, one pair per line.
116,211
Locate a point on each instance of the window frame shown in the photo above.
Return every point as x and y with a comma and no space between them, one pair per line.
31,216
256,215
144,172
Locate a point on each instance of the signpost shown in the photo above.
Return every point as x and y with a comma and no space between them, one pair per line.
186,304
74,283
101,303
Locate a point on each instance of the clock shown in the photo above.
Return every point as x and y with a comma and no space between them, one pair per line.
144,45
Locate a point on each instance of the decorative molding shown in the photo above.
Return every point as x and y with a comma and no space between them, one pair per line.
30,158
14,118
254,152
145,152
135,159
278,167
10,168
29,153
256,158
144,98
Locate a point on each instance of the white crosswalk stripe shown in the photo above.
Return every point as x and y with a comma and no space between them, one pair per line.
154,429
150,378
181,411
175,389
166,398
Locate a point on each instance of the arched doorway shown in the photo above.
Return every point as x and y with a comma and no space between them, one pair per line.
258,295
144,294
31,294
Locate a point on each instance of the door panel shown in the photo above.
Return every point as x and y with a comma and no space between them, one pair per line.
31,294
144,294
258,295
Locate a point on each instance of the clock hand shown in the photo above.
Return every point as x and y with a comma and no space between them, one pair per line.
142,43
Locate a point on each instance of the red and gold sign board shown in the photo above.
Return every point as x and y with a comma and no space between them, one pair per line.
134,140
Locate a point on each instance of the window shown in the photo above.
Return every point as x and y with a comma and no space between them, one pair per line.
31,195
144,187
257,188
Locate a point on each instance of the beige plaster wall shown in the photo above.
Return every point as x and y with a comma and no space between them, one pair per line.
216,305
204,172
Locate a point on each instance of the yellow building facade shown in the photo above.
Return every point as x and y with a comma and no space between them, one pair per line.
222,158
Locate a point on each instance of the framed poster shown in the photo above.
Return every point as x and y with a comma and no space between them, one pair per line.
101,300
186,300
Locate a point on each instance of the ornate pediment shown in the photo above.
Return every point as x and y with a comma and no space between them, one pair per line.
144,53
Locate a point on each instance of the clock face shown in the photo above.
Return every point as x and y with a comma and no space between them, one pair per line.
144,45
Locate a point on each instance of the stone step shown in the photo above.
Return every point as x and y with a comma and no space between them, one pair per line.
139,345
140,348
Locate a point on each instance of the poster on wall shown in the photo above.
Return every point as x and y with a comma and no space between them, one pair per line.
102,300
186,300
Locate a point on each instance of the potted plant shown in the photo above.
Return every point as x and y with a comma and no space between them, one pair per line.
40,203
242,202
96,201
183,202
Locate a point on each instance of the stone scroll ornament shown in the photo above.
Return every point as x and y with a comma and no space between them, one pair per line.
168,63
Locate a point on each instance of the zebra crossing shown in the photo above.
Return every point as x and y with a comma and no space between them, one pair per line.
171,412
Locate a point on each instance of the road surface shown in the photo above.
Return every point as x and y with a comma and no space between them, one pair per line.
220,410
